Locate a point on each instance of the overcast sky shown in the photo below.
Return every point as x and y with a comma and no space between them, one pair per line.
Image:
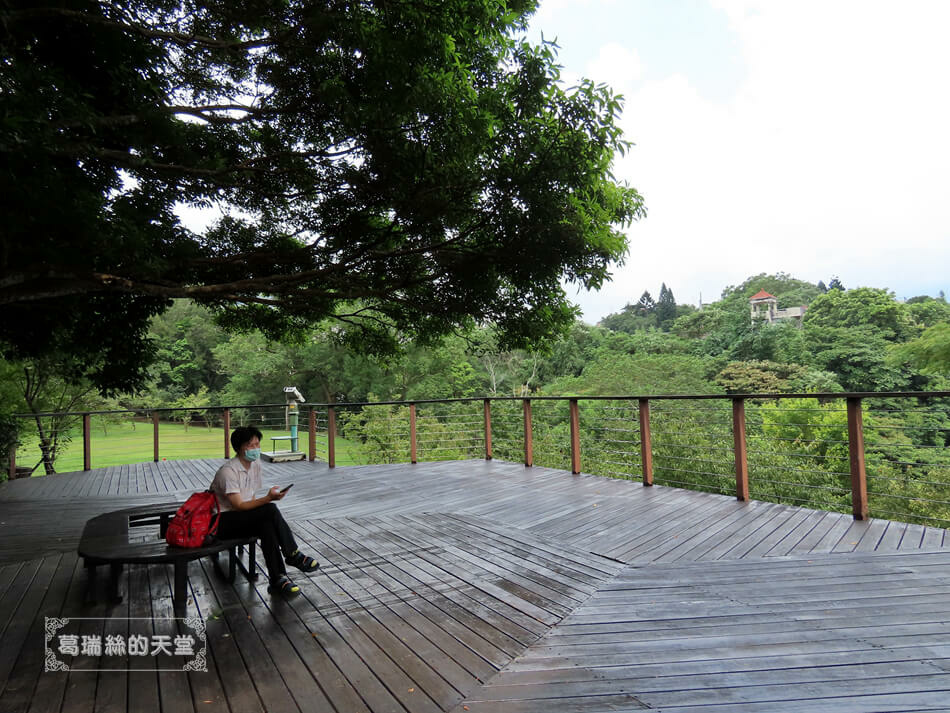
804,136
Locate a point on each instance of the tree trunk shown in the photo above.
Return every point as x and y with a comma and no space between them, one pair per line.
47,448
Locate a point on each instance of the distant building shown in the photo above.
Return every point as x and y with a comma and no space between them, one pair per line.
764,307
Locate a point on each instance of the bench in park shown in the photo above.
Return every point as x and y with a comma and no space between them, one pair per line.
109,539
274,440
276,456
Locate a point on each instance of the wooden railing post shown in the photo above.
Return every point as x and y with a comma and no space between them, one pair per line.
859,479
86,442
742,461
312,435
488,452
12,466
646,443
575,437
331,436
412,433
155,434
528,437
227,433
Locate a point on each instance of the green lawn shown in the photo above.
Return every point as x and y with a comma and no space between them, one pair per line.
130,442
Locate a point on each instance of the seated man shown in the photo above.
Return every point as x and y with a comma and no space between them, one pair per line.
244,515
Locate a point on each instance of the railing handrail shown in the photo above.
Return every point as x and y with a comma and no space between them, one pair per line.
824,395
651,397
148,409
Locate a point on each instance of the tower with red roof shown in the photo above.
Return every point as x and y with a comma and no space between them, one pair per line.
764,307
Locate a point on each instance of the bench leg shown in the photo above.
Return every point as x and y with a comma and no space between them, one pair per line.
235,563
251,571
115,569
181,587
216,561
90,597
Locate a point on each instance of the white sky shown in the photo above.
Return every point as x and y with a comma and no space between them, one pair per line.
803,136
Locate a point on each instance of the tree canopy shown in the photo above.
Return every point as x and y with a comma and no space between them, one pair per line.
930,352
861,307
647,313
396,167
789,291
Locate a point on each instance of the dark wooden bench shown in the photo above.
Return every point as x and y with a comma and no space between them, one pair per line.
107,539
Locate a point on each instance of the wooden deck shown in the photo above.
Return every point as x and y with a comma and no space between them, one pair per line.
486,586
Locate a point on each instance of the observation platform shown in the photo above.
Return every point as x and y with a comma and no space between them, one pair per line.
483,586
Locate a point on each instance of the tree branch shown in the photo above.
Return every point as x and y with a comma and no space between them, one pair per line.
128,160
253,290
178,38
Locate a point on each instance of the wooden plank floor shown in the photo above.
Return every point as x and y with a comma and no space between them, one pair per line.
407,613
614,518
854,632
487,586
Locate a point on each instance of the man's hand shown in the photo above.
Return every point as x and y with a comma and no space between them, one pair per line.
275,494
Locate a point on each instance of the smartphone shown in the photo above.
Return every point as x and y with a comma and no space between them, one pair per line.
284,490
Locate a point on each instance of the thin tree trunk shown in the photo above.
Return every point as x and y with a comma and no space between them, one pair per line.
47,448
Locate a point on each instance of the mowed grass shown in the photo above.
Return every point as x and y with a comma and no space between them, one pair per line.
132,442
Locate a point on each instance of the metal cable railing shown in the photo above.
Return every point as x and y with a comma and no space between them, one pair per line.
908,464
508,430
381,432
449,432
610,439
679,430
320,438
551,434
798,453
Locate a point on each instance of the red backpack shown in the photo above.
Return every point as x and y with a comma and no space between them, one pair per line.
196,522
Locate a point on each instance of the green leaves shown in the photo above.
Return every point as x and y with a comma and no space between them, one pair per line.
418,161
930,352
863,306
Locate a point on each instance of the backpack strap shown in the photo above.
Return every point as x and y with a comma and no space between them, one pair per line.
216,515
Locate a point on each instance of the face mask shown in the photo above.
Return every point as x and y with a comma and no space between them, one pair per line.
252,454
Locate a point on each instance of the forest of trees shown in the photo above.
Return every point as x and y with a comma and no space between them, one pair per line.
861,339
